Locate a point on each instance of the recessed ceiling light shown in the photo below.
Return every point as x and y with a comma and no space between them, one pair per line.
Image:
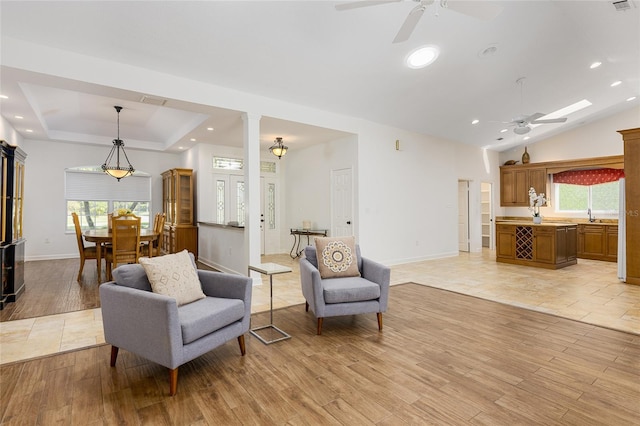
181,147
422,57
192,139
475,121
4,97
19,117
595,65
631,98
29,131
210,129
526,138
504,130
616,83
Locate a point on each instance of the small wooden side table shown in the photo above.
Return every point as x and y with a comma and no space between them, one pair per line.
269,269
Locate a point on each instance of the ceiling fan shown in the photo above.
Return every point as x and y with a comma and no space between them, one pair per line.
521,123
480,10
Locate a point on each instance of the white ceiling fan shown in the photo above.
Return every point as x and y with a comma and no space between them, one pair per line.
521,123
481,10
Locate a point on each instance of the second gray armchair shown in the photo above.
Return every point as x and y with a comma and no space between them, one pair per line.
331,297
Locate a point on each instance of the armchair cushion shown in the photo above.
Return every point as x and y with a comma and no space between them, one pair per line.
337,257
352,289
207,315
174,275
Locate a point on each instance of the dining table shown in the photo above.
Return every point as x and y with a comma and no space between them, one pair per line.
103,236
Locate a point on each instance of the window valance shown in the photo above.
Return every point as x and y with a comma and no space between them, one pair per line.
588,177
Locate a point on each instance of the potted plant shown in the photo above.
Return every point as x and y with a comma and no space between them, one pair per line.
535,201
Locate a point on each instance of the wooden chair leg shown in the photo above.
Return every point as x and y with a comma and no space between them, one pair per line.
243,350
379,321
320,326
81,268
306,306
114,355
173,381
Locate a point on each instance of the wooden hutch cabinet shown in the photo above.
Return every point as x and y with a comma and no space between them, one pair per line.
180,231
11,238
631,138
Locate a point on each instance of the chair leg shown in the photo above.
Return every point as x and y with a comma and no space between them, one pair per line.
243,349
379,321
114,355
81,268
306,306
173,381
320,326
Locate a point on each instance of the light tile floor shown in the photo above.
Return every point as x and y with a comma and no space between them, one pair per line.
589,292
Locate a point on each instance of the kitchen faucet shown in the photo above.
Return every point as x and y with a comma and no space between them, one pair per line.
591,219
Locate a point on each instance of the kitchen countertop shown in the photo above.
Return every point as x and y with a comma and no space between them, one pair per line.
530,223
564,220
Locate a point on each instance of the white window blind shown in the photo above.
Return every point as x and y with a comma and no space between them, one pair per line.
86,185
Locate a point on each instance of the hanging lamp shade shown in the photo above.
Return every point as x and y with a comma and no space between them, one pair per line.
278,149
112,165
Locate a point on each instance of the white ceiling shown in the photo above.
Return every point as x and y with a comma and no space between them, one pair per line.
308,53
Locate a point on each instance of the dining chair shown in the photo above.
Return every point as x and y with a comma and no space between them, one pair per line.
89,252
125,242
154,248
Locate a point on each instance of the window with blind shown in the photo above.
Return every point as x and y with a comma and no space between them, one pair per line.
92,194
581,190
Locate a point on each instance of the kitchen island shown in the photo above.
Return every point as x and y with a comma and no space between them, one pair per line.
548,245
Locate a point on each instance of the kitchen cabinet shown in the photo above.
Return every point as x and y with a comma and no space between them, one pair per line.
180,231
598,241
550,246
515,182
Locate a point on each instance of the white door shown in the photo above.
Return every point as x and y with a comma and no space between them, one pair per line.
463,215
341,203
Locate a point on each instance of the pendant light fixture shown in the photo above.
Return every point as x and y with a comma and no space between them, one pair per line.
116,170
278,149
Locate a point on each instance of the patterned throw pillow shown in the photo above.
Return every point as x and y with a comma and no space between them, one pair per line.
175,276
337,257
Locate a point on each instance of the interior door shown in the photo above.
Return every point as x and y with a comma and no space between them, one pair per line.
463,215
341,202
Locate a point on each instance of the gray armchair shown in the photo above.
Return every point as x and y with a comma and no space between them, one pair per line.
152,326
331,297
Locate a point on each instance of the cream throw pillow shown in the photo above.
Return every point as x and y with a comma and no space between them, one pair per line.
175,276
337,257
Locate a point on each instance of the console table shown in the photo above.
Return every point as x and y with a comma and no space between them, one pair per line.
297,235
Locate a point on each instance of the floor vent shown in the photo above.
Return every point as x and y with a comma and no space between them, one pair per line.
152,101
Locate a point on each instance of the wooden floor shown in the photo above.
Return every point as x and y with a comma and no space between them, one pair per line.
443,358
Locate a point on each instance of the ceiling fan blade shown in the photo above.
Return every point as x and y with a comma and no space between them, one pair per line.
363,3
549,120
409,24
533,117
477,9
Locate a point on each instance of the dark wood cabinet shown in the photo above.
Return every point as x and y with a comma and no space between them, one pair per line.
631,138
598,242
180,231
550,246
11,237
515,182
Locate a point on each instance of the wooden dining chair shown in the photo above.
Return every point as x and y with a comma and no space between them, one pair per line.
89,252
153,247
125,242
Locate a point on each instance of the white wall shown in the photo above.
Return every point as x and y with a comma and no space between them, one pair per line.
308,183
44,203
406,200
597,139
